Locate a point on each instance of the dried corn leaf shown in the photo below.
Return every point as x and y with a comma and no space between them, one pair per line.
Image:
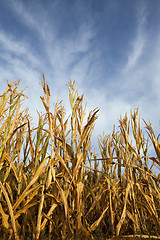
4,217
97,222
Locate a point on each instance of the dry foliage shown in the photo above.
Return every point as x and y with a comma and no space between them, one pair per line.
53,186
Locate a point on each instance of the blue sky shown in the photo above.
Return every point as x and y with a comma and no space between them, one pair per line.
110,47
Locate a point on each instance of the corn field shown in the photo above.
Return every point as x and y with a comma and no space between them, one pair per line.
54,186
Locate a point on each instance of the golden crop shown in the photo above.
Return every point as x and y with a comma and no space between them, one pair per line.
53,186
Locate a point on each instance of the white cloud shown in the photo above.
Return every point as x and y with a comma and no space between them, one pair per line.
136,53
138,44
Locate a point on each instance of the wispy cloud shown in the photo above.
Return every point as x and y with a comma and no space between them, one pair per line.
138,43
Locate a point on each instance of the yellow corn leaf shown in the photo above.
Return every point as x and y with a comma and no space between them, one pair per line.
39,217
4,218
34,179
10,210
44,103
54,205
30,140
131,217
65,203
118,228
7,158
97,222
64,164
49,178
57,200
78,162
9,191
34,191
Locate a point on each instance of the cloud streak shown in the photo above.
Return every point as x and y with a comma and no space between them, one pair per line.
138,45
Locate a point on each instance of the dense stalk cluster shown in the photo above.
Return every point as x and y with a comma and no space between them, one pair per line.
54,186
